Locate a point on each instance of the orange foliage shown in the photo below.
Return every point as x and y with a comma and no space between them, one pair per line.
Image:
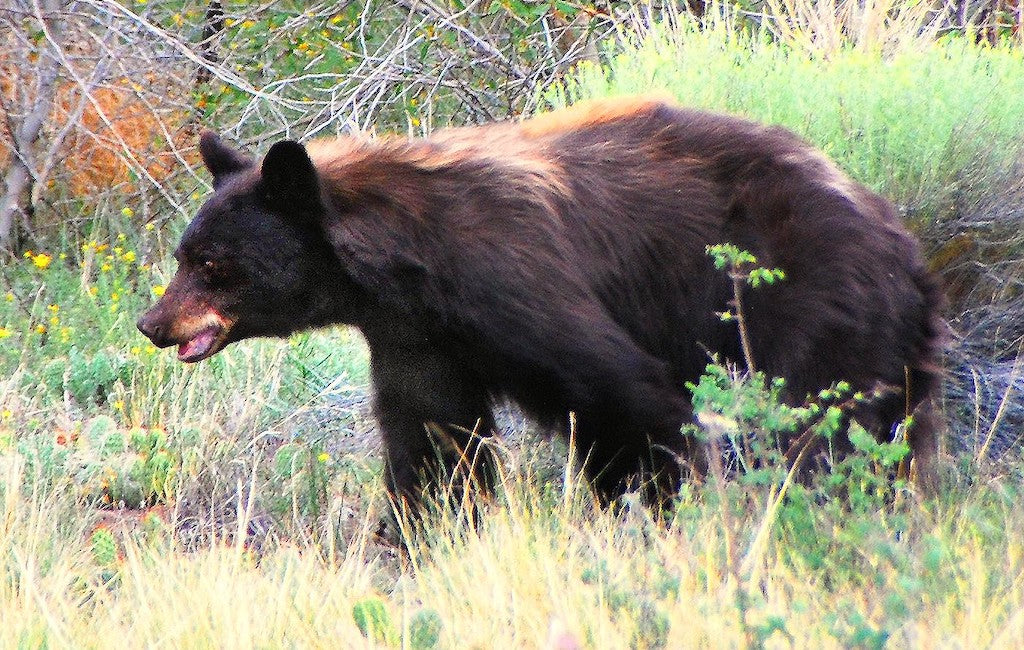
7,93
92,159
96,158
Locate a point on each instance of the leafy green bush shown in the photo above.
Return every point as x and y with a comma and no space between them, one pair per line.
925,125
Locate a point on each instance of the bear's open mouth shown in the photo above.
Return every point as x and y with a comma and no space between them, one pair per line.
204,344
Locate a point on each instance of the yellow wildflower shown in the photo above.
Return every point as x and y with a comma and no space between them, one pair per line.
128,212
54,308
4,332
129,256
119,405
150,226
54,320
42,260
9,297
93,291
159,290
323,457
41,329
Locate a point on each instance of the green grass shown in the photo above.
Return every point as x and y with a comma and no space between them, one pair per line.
249,526
925,125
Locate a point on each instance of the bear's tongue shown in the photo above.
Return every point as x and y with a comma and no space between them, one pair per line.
199,346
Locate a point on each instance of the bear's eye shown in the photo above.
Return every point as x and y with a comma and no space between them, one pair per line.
213,271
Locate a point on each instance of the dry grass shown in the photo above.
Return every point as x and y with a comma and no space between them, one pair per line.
534,570
826,27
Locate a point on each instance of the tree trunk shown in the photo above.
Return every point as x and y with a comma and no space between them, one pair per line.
16,201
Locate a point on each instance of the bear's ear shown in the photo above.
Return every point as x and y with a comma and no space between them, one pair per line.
221,159
289,177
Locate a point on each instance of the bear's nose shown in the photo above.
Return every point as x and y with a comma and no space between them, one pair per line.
153,330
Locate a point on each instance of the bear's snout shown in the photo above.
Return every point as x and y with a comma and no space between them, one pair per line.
151,326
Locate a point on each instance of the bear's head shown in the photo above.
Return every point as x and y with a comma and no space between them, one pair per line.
254,261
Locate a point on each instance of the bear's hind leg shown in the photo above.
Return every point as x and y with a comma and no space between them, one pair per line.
618,458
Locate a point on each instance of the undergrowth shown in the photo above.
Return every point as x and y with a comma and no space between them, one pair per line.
541,563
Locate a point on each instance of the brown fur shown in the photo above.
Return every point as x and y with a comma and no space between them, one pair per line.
587,115
561,262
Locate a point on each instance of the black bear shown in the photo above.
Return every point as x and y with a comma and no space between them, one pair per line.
561,262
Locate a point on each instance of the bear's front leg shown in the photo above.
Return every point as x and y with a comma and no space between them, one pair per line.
434,419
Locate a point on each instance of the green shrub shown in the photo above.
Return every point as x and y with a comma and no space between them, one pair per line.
925,125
